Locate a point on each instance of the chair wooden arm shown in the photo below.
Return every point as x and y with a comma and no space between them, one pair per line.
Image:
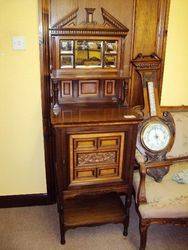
158,170
141,197
146,168
158,164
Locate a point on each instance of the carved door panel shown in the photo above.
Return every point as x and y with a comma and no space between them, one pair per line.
96,158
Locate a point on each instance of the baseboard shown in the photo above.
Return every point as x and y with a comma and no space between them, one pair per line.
24,200
174,108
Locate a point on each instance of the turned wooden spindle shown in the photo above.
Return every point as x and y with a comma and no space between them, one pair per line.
55,88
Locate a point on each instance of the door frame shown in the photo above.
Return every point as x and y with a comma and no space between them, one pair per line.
43,11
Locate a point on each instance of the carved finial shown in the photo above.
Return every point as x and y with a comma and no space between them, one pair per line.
89,15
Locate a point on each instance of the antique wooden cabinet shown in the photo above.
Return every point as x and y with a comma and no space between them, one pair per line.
94,164
94,129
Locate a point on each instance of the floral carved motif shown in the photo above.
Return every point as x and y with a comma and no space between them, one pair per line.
92,158
141,62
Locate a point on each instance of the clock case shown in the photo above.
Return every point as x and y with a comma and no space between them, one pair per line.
148,69
158,155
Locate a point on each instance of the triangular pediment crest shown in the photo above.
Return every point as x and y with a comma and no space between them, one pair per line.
68,24
67,21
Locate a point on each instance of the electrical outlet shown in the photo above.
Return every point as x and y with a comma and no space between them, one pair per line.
18,43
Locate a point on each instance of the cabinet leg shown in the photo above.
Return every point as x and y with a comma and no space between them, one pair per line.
62,228
126,221
126,225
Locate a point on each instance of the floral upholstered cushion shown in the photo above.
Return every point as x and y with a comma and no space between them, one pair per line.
175,209
166,199
180,147
181,177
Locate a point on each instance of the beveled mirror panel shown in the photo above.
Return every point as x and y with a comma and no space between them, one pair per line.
111,47
66,47
110,61
66,61
88,53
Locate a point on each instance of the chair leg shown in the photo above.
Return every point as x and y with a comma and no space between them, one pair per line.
143,226
126,221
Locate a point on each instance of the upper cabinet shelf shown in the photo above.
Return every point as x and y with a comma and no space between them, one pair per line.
59,75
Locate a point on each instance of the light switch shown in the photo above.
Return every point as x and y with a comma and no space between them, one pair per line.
18,43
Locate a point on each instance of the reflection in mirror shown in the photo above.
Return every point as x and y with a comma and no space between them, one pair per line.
110,61
88,53
110,47
66,46
66,61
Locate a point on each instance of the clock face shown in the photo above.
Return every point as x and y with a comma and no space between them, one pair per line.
155,136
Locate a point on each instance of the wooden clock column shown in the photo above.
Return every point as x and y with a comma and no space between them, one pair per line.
94,130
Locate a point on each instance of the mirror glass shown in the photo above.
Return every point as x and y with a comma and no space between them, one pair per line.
110,61
88,53
66,47
66,61
110,47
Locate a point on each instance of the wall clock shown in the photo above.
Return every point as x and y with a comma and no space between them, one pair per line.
156,132
155,136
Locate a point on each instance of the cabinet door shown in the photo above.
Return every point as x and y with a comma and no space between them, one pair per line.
96,158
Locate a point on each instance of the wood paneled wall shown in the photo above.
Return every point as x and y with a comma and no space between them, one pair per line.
150,30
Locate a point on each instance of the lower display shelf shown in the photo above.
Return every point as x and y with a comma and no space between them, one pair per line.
93,210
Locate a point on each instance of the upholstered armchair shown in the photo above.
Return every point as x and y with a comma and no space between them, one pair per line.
166,201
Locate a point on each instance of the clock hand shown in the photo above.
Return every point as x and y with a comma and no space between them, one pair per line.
156,135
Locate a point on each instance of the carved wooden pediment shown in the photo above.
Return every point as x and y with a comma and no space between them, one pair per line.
68,25
147,63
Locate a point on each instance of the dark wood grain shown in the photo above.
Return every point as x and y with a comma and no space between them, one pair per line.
87,75
85,114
